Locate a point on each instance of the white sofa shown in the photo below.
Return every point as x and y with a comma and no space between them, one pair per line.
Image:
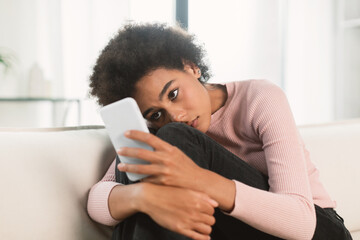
45,176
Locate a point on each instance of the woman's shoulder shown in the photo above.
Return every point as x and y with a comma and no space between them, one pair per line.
254,84
253,88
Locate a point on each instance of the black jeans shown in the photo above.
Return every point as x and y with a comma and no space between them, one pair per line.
208,154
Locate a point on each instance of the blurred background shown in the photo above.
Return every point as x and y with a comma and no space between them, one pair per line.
310,48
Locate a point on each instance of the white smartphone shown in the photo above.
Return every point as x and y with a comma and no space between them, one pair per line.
119,117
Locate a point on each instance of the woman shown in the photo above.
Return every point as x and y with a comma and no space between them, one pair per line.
228,161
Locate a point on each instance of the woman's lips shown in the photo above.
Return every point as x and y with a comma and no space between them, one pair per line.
195,122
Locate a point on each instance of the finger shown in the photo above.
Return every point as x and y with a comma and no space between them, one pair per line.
151,179
140,153
195,235
147,138
207,219
206,198
205,208
212,202
202,228
204,218
209,206
147,169
159,178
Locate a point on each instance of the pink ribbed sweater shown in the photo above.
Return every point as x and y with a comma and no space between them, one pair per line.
257,125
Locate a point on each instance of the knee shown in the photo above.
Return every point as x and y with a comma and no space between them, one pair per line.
175,132
190,141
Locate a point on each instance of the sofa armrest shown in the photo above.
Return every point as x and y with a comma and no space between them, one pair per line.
45,177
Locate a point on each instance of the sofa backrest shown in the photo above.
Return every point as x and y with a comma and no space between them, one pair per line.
45,177
335,150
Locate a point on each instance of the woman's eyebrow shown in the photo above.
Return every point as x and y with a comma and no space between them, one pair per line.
166,87
163,91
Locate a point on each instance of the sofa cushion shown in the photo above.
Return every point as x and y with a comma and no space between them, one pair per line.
45,178
335,150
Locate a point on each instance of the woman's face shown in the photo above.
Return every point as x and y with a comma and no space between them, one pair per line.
166,96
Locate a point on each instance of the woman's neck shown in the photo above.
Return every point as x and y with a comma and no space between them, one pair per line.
218,96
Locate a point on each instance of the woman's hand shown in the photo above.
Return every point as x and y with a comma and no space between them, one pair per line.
180,210
169,165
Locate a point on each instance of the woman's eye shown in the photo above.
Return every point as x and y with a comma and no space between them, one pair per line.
173,94
155,116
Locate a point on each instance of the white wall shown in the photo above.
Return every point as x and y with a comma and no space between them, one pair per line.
22,31
310,60
63,38
290,43
18,31
86,27
241,37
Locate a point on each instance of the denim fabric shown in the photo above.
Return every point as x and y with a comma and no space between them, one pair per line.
208,154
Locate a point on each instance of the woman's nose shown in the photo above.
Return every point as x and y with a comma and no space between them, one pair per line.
177,116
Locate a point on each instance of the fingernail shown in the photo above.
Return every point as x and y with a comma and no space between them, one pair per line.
127,133
214,203
121,165
120,151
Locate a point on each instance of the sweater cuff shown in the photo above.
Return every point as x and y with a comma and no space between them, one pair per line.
98,203
242,198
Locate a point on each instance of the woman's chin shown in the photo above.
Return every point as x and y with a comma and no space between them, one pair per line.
203,126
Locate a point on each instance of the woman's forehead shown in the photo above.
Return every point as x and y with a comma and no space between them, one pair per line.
148,89
156,81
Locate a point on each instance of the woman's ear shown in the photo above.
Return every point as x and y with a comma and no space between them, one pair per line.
192,69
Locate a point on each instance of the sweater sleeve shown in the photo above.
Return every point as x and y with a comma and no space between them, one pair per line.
287,209
97,206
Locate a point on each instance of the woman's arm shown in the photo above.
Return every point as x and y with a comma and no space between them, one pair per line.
171,167
98,204
181,210
124,201
222,190
287,210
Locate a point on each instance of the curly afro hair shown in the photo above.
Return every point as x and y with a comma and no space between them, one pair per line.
135,51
